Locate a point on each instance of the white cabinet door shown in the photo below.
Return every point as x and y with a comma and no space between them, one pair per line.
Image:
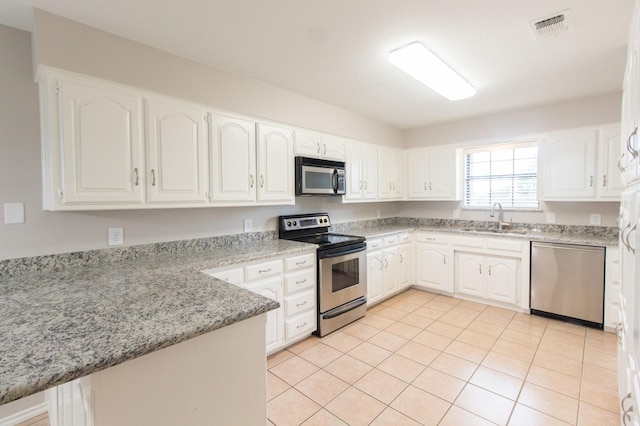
332,148
369,172
273,290
469,274
610,184
390,272
417,173
308,144
177,152
404,265
375,271
441,167
569,165
275,164
101,141
434,267
385,173
502,279
233,159
353,160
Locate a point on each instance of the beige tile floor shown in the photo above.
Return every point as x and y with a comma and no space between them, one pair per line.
422,358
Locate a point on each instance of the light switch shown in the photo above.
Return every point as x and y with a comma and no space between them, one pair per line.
13,213
595,219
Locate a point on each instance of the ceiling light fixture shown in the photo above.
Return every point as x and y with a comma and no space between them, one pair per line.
421,64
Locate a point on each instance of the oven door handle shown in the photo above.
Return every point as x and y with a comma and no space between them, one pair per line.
337,252
344,308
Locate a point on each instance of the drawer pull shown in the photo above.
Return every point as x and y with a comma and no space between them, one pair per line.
301,263
301,282
430,239
299,305
264,271
302,325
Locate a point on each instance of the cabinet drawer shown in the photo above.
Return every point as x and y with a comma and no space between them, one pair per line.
423,237
475,242
404,238
299,303
232,276
390,241
261,270
374,244
299,325
299,262
506,245
299,281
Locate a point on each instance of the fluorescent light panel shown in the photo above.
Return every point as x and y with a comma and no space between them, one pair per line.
421,64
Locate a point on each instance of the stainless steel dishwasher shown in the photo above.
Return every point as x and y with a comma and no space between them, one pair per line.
567,281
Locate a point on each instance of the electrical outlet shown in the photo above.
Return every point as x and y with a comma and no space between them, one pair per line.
247,225
595,219
13,213
551,217
116,236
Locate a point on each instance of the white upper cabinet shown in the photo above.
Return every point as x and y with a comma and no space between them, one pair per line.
583,165
275,164
432,174
177,152
390,174
362,171
100,140
233,159
319,145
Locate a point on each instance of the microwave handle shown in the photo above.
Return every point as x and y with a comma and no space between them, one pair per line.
334,181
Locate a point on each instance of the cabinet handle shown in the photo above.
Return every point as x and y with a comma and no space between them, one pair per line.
430,188
325,149
394,186
604,180
430,239
261,181
401,259
301,263
628,244
425,186
624,242
302,325
444,259
481,269
381,265
489,269
619,333
591,180
386,263
318,145
301,282
633,152
626,416
390,186
620,166
365,185
153,177
299,305
137,172
264,271
250,181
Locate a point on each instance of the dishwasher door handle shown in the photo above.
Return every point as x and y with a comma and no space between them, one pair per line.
568,246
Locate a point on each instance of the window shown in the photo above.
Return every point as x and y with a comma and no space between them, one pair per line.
505,174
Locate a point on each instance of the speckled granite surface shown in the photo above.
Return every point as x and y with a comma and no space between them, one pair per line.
588,235
96,312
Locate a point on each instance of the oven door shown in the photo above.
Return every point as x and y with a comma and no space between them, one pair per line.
342,276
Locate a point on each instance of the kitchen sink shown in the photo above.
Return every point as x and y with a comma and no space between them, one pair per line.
495,231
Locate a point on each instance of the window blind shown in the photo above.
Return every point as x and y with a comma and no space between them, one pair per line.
506,174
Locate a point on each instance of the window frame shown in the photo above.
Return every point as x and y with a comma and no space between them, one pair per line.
500,147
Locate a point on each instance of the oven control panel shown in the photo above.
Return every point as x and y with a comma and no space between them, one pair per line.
298,222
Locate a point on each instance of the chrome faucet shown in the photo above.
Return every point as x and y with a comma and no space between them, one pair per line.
493,214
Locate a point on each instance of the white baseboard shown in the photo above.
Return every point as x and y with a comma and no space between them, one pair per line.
26,414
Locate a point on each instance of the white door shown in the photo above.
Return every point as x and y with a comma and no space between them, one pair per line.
502,279
470,274
275,177
417,173
398,174
609,183
308,144
353,165
370,171
385,173
391,281
433,267
233,159
273,290
102,149
569,165
375,284
404,265
332,148
177,152
441,169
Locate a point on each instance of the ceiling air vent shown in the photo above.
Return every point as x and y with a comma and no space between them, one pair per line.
551,26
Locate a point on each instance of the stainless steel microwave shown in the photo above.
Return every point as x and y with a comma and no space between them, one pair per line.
319,177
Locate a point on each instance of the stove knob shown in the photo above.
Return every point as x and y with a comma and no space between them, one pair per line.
289,223
295,223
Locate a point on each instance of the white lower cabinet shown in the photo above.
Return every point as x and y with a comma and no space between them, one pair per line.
434,262
375,271
405,261
487,277
290,281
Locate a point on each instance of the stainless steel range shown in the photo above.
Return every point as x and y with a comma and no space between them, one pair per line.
342,269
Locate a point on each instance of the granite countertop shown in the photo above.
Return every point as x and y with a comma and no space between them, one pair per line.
57,326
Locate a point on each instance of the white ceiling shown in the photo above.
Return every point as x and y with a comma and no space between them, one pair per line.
336,50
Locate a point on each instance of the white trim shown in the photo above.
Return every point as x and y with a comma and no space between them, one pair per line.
26,414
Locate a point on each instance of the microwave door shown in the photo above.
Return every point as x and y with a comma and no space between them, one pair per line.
317,180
